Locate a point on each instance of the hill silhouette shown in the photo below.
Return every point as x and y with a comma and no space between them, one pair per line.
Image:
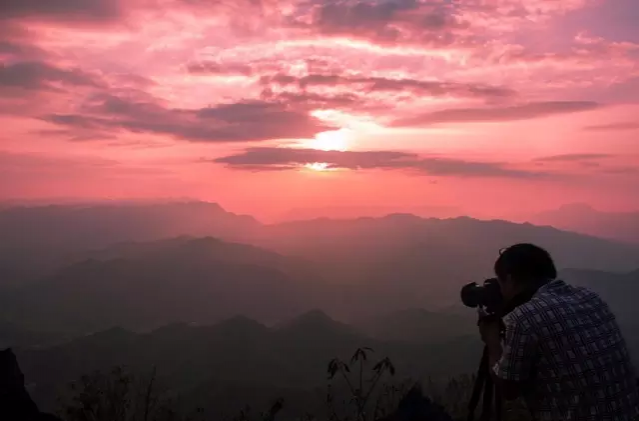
40,239
579,217
418,325
403,261
239,354
352,269
194,280
231,311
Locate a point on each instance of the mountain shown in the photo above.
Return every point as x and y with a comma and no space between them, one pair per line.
143,286
352,269
419,325
316,331
623,226
403,261
12,335
354,212
457,238
225,366
210,248
39,239
91,226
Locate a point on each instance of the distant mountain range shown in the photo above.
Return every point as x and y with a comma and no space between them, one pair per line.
354,212
213,366
623,226
111,274
222,304
39,239
146,286
239,362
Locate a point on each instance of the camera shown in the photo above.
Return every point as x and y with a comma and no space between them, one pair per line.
488,296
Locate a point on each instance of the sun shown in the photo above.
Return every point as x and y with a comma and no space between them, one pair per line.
317,166
334,140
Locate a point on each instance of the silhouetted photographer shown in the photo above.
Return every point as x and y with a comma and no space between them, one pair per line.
557,346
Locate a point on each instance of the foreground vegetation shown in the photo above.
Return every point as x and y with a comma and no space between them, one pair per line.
360,389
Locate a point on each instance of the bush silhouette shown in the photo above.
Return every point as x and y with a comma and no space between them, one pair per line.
358,390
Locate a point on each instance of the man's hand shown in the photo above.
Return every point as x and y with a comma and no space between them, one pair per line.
489,329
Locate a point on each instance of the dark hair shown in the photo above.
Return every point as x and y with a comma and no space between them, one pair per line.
525,262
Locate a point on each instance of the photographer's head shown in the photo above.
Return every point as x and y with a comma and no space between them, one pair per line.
522,267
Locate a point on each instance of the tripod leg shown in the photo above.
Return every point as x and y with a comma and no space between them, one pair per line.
499,404
489,388
482,374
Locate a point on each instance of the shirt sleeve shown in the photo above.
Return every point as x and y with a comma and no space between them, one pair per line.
518,351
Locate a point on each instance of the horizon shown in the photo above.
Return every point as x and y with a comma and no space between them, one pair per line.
487,110
328,212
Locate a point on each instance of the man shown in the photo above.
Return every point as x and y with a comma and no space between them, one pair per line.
562,349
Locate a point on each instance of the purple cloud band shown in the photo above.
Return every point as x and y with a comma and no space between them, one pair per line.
289,158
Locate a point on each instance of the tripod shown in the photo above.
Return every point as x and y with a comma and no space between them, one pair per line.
491,394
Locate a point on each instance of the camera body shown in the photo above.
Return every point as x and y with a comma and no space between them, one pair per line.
487,296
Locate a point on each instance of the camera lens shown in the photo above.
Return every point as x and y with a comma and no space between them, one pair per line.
471,295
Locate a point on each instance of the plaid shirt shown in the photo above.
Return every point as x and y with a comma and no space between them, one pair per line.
565,342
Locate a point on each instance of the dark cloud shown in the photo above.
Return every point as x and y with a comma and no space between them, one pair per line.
575,157
381,84
94,10
220,69
19,49
623,126
237,122
17,42
386,21
622,171
75,135
307,99
511,113
258,159
37,75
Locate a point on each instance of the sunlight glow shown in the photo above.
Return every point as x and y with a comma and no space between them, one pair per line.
317,166
334,140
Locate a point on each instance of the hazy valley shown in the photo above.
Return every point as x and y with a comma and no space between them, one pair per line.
230,311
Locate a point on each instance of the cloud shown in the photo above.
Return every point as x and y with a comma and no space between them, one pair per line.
386,21
264,159
622,126
37,75
463,24
19,49
94,10
512,113
313,100
234,122
382,84
218,68
575,157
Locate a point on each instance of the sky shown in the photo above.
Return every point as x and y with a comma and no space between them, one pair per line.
486,107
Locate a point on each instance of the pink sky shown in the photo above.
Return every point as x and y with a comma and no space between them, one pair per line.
492,107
